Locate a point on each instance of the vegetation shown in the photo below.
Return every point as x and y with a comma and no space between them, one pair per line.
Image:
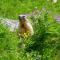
12,8
43,45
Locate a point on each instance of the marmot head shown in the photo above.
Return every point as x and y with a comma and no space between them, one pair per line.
22,17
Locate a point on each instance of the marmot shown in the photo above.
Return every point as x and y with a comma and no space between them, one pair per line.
25,27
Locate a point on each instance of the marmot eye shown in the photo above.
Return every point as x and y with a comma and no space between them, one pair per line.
23,16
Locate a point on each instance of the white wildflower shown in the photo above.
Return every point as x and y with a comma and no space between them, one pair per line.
54,1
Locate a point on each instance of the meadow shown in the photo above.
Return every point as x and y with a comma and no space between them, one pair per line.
44,44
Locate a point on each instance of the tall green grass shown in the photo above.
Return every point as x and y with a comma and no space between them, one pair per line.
46,40
43,45
12,8
8,44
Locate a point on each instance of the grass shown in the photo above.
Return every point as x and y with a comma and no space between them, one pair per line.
11,9
43,45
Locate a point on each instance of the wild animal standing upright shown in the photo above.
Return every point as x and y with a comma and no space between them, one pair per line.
25,27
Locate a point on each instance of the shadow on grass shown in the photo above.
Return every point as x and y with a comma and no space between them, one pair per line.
38,44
